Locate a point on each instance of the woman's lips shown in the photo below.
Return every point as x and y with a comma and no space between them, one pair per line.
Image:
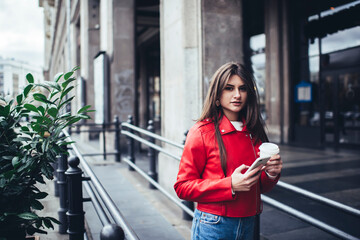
236,103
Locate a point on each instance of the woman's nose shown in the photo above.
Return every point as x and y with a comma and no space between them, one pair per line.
237,94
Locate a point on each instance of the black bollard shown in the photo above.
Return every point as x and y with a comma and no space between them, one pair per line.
112,232
189,204
56,185
117,139
62,185
151,154
130,143
75,213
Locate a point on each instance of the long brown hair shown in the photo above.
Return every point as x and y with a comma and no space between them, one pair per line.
251,112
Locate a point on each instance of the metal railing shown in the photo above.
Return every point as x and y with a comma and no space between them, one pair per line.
102,128
312,221
71,214
128,130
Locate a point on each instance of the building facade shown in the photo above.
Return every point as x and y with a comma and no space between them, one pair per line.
154,59
13,75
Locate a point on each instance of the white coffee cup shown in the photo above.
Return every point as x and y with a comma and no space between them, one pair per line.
268,149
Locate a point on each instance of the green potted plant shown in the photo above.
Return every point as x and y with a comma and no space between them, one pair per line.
30,127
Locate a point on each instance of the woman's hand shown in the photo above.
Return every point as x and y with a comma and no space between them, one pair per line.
243,182
273,166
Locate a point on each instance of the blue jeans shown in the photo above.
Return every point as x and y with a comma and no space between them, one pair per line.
206,226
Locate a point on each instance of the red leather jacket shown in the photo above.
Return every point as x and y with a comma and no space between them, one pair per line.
201,178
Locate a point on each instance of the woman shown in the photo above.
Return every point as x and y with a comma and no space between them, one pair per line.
219,148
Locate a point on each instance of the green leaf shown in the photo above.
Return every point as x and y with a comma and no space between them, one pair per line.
15,161
41,98
42,110
4,111
66,92
31,107
41,195
72,121
58,76
19,98
27,89
30,78
25,129
83,116
68,75
66,83
54,94
35,204
53,112
66,143
83,109
54,85
54,220
48,223
28,216
75,68
65,102
21,139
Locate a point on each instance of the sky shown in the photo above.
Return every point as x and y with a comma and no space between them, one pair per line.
22,31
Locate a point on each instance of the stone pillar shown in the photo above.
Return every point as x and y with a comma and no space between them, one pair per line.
278,90
121,51
222,35
181,74
89,38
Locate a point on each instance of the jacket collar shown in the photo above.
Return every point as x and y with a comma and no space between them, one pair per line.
225,126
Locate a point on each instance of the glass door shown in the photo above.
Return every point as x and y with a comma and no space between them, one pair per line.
341,108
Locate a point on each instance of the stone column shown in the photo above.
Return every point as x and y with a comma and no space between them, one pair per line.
181,74
89,47
277,70
121,52
222,35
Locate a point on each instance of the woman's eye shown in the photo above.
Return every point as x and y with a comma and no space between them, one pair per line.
229,88
242,89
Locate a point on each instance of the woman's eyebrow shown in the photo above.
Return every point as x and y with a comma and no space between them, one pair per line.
231,85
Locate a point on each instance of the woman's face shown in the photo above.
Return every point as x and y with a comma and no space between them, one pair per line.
233,98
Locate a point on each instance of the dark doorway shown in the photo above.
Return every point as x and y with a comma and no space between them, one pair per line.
148,64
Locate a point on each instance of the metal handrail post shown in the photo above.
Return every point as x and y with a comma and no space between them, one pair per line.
104,139
62,183
75,213
152,158
117,139
110,205
131,143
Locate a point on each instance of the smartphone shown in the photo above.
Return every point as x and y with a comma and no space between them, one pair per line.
258,161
